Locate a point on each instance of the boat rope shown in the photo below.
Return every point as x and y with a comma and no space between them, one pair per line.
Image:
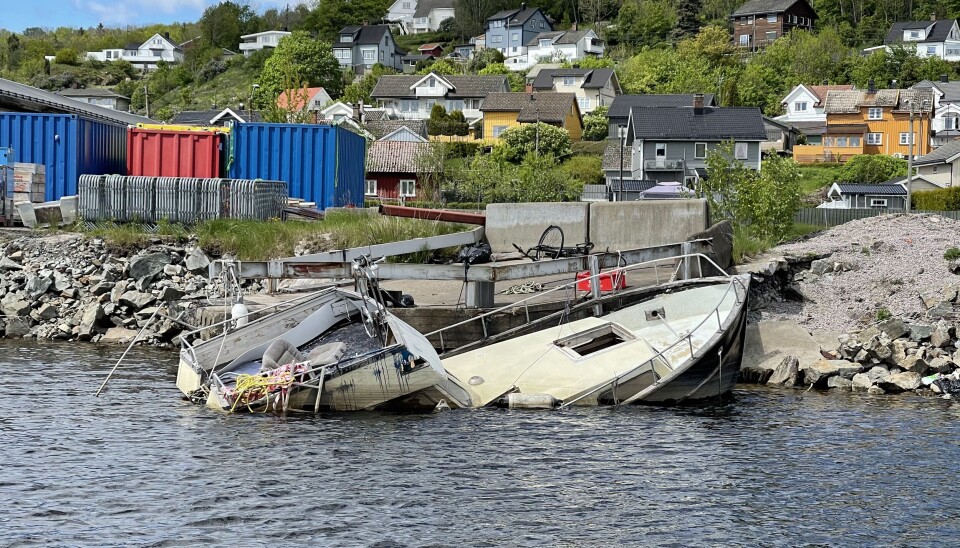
520,289
249,388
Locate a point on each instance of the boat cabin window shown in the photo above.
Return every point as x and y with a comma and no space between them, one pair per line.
594,340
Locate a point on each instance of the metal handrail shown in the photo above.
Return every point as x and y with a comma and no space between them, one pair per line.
660,354
594,279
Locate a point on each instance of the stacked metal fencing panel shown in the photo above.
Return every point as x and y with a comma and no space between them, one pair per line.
178,199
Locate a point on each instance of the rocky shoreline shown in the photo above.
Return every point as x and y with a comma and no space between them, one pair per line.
68,287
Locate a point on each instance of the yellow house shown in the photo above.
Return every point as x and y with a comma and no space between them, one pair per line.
502,111
874,121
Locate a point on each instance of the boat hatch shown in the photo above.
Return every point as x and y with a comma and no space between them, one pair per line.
593,340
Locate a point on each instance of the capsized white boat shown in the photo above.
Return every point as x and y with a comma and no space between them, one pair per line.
682,342
338,350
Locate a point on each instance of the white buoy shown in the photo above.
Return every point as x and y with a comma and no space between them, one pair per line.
239,313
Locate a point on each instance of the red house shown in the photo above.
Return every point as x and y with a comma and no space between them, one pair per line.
394,169
433,50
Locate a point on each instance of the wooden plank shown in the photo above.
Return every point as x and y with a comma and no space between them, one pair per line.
434,214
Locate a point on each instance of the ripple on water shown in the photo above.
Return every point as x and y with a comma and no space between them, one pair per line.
138,466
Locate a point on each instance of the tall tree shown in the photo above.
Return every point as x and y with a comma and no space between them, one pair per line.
299,57
222,25
688,19
472,14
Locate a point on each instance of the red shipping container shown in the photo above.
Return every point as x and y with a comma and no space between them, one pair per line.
166,153
608,281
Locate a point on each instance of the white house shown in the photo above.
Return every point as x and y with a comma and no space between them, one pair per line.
401,13
557,47
430,13
411,97
804,103
261,40
933,38
938,169
946,101
145,56
593,87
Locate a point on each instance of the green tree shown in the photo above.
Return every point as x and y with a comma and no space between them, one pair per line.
768,201
595,125
513,78
457,124
484,57
472,15
687,19
222,25
871,168
439,120
539,138
312,62
328,17
359,91
67,56
443,66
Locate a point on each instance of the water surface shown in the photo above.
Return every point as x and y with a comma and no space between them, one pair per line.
138,466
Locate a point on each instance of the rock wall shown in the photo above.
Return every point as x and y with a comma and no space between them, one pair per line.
73,288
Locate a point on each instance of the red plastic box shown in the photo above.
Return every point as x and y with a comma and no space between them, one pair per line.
608,281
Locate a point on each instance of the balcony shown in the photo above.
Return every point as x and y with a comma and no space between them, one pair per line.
664,165
816,154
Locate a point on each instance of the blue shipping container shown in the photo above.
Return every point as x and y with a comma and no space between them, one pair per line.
69,146
322,164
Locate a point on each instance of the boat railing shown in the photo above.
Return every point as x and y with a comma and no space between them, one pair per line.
227,322
740,295
680,261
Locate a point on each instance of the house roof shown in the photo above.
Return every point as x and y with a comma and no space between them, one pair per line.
381,128
821,91
810,128
363,35
466,85
19,97
294,99
941,155
593,78
880,189
255,34
611,157
210,117
531,107
950,90
631,185
91,92
424,7
428,47
560,37
395,156
850,102
621,105
715,123
515,16
834,129
755,7
937,31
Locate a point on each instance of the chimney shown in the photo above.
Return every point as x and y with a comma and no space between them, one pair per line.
167,36
933,16
357,111
523,6
574,26
528,88
365,22
871,86
825,82
944,78
698,103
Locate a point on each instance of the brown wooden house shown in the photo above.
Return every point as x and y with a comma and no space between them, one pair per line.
395,169
758,23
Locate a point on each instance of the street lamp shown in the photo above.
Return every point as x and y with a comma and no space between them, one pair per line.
913,110
536,109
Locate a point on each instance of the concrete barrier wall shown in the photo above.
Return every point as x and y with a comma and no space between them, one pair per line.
632,225
522,224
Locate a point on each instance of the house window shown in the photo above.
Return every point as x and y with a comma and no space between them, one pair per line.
744,39
878,202
750,20
931,50
953,52
409,105
497,130
584,102
432,83
854,141
875,114
950,122
408,188
841,141
800,106
700,150
914,35
568,80
771,35
541,24
368,55
771,18
906,139
874,138
496,39
514,36
740,151
454,104
370,187
828,141
406,5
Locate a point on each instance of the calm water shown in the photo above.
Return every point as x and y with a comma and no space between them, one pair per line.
138,466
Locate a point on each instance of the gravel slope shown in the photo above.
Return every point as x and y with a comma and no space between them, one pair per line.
893,259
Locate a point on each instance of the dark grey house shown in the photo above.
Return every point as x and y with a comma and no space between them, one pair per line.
360,47
671,144
889,195
621,105
510,30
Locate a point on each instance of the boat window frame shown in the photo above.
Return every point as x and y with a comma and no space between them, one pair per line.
570,343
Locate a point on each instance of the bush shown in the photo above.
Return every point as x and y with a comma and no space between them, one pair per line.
595,125
461,149
871,168
952,254
586,169
548,140
943,199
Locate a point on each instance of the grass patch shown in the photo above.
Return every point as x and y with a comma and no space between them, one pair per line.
262,240
747,245
815,177
951,254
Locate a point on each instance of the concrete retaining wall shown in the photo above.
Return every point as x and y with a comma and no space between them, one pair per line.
522,224
633,225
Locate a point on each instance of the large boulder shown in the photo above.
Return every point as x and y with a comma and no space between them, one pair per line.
197,261
8,264
787,373
893,328
861,382
148,265
769,342
915,363
118,335
92,315
900,382
37,285
13,307
818,372
137,300
170,294
839,382
17,328
920,332
940,336
876,373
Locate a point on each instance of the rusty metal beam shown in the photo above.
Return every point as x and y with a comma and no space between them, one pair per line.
434,214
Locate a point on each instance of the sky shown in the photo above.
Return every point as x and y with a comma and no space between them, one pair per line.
20,14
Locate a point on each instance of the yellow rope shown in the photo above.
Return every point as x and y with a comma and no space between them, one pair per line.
254,384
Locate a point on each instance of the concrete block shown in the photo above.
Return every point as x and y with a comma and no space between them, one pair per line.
522,224
633,225
769,342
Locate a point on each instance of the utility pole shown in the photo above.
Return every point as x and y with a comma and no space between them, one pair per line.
910,158
146,100
622,138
